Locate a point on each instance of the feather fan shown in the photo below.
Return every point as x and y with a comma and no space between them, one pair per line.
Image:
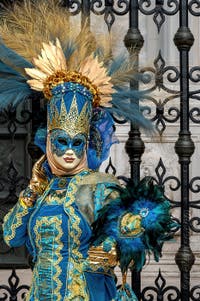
139,222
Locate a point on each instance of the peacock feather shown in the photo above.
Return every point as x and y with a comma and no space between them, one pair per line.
138,222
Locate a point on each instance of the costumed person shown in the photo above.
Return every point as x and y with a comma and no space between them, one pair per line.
76,222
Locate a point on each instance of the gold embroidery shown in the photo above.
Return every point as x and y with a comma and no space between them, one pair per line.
99,257
54,199
56,221
76,287
16,221
35,277
130,225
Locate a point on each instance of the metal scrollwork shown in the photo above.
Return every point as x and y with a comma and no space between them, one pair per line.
194,76
193,182
194,223
119,120
160,173
160,116
13,291
97,7
13,183
158,11
160,70
109,9
161,291
119,7
161,180
73,6
12,118
175,185
158,73
195,115
193,6
110,168
195,293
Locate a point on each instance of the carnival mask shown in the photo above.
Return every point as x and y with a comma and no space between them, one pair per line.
67,151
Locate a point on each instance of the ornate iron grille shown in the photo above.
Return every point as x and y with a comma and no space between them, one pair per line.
176,106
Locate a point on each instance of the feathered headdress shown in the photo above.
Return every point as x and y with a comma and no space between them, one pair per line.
41,52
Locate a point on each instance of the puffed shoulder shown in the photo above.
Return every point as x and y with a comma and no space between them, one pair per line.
94,178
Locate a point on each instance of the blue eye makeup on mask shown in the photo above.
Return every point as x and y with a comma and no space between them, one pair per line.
61,142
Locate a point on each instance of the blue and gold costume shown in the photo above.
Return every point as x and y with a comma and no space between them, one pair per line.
57,233
76,222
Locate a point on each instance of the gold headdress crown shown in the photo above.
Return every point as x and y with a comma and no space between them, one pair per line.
73,122
81,59
52,69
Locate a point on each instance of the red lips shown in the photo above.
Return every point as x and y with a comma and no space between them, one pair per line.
68,159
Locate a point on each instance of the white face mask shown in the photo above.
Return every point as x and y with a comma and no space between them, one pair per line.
67,151
68,160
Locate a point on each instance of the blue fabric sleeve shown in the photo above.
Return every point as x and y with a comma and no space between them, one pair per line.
105,192
15,225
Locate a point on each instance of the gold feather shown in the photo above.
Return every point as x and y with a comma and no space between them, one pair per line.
28,25
44,67
33,24
46,25
97,74
35,73
35,84
50,61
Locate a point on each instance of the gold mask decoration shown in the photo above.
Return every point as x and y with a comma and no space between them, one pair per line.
72,122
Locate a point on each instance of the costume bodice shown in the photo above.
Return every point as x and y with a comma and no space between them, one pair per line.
56,231
61,241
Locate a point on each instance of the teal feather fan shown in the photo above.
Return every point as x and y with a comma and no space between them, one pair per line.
138,223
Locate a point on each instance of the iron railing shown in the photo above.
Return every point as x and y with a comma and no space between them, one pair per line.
177,106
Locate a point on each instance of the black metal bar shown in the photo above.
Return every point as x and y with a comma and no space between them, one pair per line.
184,148
85,16
134,145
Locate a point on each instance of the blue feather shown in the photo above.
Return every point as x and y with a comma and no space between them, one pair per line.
6,71
40,139
151,222
17,82
131,112
13,98
116,64
69,49
101,137
13,86
12,59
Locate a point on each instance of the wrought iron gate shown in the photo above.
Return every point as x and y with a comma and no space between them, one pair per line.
177,106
